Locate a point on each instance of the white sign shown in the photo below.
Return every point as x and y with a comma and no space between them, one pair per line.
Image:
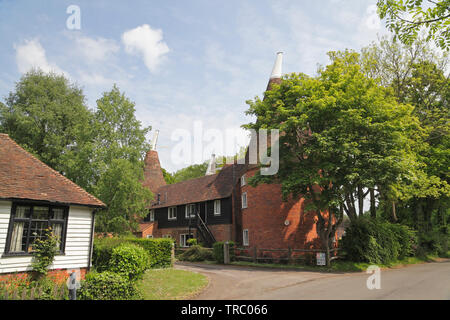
321,260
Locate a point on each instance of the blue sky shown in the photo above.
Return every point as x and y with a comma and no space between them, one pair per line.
182,62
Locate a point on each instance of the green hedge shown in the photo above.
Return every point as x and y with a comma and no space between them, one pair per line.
129,260
196,253
377,241
159,251
218,251
107,286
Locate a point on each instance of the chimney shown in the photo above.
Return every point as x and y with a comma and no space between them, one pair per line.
211,166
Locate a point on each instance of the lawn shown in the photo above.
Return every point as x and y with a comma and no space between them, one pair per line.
171,284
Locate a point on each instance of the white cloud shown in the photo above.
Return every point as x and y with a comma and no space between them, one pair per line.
146,42
31,54
96,49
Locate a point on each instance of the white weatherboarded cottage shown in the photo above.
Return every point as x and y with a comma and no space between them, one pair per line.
34,197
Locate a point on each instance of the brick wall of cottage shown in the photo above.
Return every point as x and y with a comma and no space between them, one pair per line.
56,275
266,214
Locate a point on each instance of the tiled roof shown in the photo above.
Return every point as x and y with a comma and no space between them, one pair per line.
217,186
22,176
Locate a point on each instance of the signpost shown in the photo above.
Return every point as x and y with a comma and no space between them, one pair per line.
321,259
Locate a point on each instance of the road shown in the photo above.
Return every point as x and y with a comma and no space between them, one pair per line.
421,281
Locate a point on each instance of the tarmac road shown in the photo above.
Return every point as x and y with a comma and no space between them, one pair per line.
421,281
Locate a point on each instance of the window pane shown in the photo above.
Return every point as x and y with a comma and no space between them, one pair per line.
19,237
23,212
57,232
58,213
37,232
40,213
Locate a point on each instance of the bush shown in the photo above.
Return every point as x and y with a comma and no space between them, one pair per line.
129,260
434,242
159,251
196,253
107,286
192,242
377,241
44,251
218,251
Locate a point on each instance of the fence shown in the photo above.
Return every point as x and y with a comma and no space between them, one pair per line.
288,255
58,292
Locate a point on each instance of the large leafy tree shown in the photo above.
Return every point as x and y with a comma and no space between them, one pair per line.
121,189
417,76
342,134
47,115
407,17
119,148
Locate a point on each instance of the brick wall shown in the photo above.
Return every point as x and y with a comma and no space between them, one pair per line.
56,275
266,214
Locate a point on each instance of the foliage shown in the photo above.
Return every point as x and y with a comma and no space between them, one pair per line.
107,286
378,241
196,253
121,189
192,242
159,251
44,251
218,251
129,260
168,177
48,116
190,172
434,16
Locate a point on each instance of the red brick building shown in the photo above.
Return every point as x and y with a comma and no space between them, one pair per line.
222,206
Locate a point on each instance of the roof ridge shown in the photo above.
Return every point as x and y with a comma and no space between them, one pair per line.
53,171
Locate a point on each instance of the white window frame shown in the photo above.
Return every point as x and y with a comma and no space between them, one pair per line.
217,204
192,215
245,238
173,217
244,203
243,180
183,244
149,236
152,215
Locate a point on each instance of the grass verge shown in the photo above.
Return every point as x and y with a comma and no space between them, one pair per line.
342,266
171,284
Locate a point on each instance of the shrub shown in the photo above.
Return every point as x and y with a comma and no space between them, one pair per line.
434,242
196,253
218,251
377,241
129,260
107,286
159,251
192,242
44,251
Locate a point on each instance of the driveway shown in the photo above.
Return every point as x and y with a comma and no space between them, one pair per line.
422,281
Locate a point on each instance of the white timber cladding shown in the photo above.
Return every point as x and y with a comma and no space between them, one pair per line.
77,241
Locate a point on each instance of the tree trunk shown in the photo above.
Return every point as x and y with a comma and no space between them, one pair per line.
373,209
394,215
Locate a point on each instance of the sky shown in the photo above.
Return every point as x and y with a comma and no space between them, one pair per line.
189,66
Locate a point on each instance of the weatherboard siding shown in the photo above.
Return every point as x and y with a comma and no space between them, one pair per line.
77,242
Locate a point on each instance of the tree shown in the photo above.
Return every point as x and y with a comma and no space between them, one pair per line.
190,172
121,189
119,135
417,76
406,18
342,134
47,116
168,177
